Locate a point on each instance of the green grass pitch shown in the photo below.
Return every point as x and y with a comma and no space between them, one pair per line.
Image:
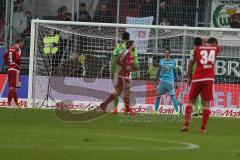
38,134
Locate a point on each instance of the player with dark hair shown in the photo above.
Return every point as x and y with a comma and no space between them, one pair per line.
167,74
83,15
115,68
197,41
202,81
126,62
12,58
198,104
68,17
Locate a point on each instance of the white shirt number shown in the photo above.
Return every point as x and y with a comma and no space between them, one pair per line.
207,57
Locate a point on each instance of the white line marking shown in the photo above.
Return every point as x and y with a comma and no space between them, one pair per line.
184,145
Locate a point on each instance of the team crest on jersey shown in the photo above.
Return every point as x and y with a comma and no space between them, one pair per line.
166,69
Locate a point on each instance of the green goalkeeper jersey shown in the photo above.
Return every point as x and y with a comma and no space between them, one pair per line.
120,48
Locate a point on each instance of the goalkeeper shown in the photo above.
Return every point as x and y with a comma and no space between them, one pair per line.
167,74
115,68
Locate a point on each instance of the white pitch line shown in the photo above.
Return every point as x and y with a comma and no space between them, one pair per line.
188,146
184,145
72,147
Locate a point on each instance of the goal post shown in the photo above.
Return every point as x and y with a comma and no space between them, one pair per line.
71,62
31,65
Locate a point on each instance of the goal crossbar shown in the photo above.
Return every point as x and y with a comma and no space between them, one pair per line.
136,26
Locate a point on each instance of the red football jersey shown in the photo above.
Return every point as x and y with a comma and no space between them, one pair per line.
12,58
124,60
205,57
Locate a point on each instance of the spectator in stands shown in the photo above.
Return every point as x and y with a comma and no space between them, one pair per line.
18,5
149,8
62,13
162,11
83,15
104,15
68,17
164,22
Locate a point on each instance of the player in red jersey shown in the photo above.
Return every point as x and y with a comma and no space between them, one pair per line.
12,58
126,62
202,81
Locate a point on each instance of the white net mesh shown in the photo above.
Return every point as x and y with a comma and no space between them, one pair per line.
72,62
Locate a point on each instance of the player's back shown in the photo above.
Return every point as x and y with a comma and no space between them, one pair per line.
12,58
205,57
167,70
119,48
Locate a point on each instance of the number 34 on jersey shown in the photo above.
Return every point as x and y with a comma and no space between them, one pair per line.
205,57
208,57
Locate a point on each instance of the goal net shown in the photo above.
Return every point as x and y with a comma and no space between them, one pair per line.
70,63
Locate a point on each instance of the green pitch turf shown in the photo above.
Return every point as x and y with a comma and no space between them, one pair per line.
39,135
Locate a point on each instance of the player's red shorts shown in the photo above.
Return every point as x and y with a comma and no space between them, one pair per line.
14,78
204,88
123,83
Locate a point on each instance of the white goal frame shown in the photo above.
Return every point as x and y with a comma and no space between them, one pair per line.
33,42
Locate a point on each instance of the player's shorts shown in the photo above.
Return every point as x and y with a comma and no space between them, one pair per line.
14,78
203,88
166,87
122,83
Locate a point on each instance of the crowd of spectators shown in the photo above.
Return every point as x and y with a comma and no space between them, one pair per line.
171,12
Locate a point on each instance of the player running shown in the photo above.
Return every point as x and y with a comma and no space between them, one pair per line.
202,80
167,74
12,58
126,62
115,68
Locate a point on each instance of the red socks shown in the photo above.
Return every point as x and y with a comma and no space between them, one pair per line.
127,103
109,99
12,95
15,98
206,113
188,113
